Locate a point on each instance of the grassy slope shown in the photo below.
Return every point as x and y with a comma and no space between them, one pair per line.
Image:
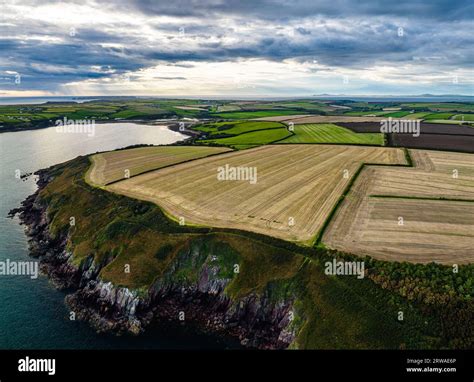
330,133
332,312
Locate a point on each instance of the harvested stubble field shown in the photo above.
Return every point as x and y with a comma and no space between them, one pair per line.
297,184
437,211
111,166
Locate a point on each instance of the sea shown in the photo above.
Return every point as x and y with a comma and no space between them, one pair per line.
33,314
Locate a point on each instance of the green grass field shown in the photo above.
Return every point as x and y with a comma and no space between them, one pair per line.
448,121
439,106
420,115
237,127
253,138
397,114
438,116
329,133
364,113
465,117
257,114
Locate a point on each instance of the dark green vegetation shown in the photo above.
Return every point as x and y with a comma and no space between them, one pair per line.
228,129
330,311
251,139
240,134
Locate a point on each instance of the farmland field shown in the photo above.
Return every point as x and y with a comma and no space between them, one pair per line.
110,166
448,142
449,137
439,106
256,114
465,117
397,114
225,108
416,115
236,128
330,133
365,113
437,211
301,119
438,116
425,128
297,187
252,138
450,121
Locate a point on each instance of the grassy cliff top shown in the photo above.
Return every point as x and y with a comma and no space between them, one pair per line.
139,246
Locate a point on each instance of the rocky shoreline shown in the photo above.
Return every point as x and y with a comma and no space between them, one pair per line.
256,321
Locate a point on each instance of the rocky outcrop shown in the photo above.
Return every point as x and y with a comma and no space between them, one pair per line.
256,320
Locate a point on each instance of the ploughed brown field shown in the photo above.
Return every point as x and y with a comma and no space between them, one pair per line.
115,165
297,187
420,214
433,136
425,128
461,143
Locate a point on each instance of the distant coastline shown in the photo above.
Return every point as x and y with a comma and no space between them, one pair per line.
5,101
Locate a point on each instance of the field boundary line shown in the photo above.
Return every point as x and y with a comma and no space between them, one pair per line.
318,238
283,126
410,197
169,165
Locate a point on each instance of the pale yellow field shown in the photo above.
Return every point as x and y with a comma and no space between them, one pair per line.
114,165
432,230
303,119
297,184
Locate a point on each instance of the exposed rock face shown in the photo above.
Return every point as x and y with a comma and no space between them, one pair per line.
108,308
255,320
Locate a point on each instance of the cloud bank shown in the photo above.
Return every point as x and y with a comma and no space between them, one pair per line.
213,47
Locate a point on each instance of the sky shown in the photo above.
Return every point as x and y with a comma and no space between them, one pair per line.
236,47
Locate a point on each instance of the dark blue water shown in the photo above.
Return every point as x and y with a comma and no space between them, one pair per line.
40,100
32,312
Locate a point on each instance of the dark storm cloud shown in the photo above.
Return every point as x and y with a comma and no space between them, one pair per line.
288,9
50,65
336,33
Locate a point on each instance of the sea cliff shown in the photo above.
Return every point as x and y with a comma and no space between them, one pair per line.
256,320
